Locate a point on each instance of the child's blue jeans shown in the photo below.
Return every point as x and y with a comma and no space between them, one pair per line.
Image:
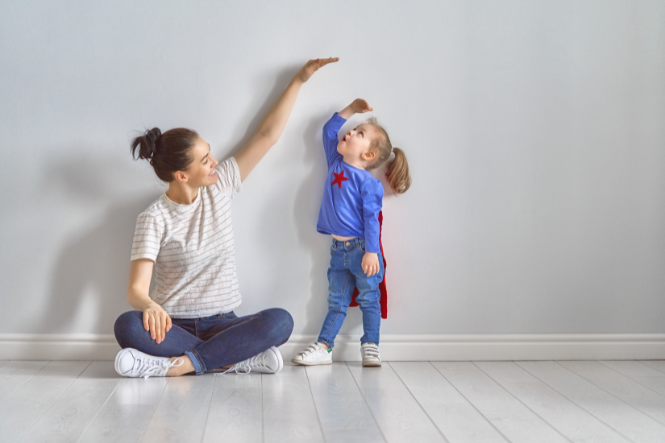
345,274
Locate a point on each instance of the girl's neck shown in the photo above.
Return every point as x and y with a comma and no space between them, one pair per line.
356,163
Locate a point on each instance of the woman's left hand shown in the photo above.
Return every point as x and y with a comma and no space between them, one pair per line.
312,66
370,263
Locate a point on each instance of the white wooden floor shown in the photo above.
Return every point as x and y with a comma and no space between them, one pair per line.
531,402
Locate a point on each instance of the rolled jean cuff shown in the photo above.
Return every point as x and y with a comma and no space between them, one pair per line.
199,367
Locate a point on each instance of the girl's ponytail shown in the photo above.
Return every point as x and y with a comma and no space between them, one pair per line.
397,172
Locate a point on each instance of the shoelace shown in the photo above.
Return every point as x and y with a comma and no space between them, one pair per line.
146,367
370,350
245,367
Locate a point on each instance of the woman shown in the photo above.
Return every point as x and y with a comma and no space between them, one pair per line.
187,324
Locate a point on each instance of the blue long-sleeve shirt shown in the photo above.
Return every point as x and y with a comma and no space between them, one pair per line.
352,197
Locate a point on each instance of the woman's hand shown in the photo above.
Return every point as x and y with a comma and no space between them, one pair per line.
370,263
312,66
157,321
358,106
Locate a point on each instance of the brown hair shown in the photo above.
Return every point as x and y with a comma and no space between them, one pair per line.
397,170
167,152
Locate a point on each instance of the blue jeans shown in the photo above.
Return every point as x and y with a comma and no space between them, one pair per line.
210,342
345,274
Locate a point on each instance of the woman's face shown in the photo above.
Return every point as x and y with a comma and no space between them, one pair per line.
202,170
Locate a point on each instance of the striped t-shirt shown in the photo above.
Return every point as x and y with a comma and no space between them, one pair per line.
192,247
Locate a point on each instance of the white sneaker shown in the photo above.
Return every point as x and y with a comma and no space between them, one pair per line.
133,363
267,362
370,354
314,354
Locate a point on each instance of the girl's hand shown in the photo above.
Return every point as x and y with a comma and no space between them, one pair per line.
357,106
157,321
370,263
312,66
360,106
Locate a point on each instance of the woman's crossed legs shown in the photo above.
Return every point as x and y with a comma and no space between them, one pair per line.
210,342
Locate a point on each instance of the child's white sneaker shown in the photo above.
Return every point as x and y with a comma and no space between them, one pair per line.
267,362
133,363
370,354
313,355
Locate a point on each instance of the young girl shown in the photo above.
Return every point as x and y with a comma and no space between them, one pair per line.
352,199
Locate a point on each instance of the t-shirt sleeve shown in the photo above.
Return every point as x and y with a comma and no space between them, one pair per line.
228,177
147,237
330,140
371,191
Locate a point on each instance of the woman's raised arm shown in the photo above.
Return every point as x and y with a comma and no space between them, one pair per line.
272,125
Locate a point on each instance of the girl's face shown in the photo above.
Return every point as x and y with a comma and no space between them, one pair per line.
356,143
202,170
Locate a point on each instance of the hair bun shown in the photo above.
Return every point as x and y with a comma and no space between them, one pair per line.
153,135
145,146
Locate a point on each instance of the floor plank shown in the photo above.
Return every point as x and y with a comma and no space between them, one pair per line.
568,418
620,416
658,365
397,413
235,412
14,373
71,414
514,420
343,412
289,414
22,408
125,416
182,410
458,420
643,374
621,387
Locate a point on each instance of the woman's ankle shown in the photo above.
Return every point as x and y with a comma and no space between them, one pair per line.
186,367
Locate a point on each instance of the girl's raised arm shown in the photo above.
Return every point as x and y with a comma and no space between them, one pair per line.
272,125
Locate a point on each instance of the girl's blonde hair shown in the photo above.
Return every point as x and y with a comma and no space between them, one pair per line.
397,171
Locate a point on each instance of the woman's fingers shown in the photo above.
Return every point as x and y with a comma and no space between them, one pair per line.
151,324
146,326
158,328
169,323
325,61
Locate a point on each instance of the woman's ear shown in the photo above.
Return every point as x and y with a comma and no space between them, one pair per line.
180,176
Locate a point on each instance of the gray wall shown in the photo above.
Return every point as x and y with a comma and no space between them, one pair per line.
535,133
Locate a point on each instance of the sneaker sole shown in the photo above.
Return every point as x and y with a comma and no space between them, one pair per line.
372,364
310,363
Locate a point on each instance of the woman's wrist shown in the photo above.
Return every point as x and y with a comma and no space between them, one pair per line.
154,305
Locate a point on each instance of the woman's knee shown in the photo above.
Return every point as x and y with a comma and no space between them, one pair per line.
128,324
282,322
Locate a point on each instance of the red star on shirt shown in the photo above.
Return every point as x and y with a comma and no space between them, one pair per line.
339,178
